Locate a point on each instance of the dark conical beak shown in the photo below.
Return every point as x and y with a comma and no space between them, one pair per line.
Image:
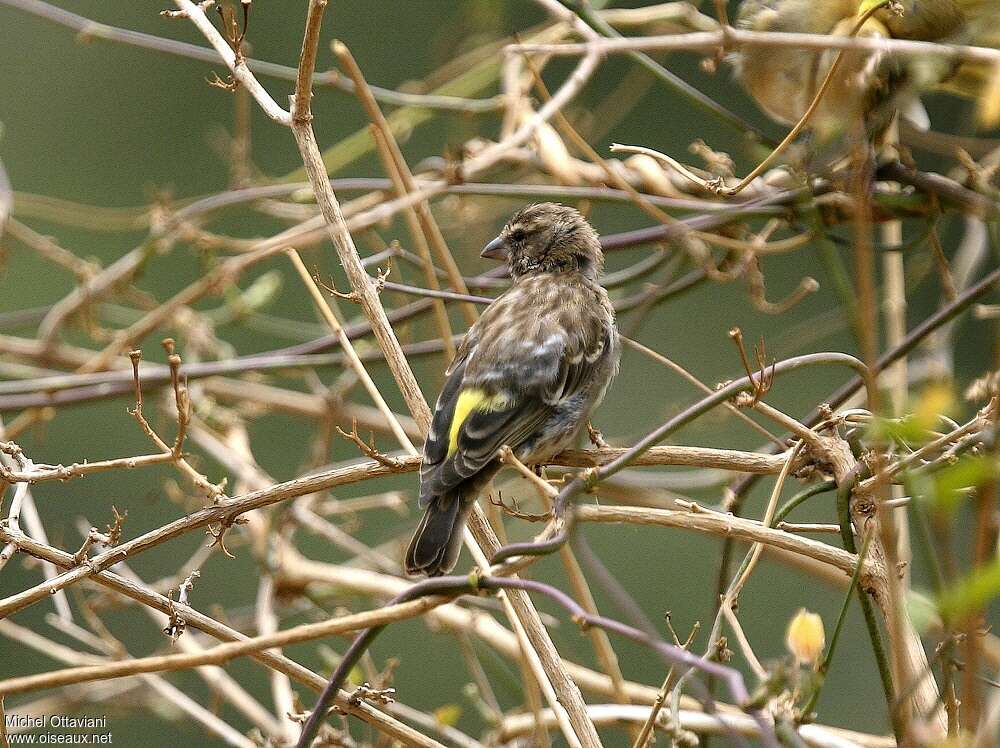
495,250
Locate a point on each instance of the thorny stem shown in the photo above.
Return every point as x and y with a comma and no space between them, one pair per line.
837,398
717,185
458,585
665,689
844,491
810,110
166,229
397,164
592,477
679,85
352,356
302,102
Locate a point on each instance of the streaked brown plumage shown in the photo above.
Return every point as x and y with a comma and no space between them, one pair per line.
527,374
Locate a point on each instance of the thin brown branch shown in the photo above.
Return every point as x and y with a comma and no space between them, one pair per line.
348,348
236,63
194,618
723,525
428,224
302,101
707,41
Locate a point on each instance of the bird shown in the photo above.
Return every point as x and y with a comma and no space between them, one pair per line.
868,88
526,375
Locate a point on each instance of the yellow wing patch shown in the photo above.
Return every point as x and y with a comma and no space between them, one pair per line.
473,399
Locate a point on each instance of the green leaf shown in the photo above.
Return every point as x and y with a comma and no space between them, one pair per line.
356,676
972,593
921,609
906,430
951,483
916,428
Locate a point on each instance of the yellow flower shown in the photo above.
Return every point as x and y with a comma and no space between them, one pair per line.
805,638
936,400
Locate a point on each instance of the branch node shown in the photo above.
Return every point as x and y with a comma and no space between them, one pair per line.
219,536
513,511
596,437
365,693
368,448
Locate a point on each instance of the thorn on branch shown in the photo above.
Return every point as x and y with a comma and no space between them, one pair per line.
692,506
14,451
722,652
81,555
226,85
231,30
381,275
513,511
176,623
695,628
177,15
378,282
596,437
368,448
114,534
136,355
351,296
136,412
219,536
186,586
182,398
827,418
365,693
763,380
108,539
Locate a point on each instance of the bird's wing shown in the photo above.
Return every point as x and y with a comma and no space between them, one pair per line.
436,443
502,390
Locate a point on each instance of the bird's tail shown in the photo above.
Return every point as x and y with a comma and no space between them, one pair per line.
437,541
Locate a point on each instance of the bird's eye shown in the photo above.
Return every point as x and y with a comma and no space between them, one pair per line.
517,235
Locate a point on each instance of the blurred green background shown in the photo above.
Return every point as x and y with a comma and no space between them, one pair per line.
111,125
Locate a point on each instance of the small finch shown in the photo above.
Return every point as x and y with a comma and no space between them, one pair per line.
527,374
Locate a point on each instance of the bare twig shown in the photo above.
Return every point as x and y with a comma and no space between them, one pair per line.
707,41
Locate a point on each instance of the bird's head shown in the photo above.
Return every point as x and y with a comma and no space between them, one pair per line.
548,238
